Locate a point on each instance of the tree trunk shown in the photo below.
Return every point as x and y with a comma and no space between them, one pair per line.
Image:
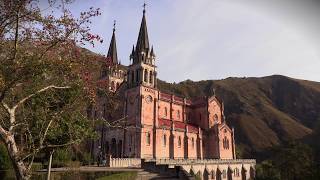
18,165
49,166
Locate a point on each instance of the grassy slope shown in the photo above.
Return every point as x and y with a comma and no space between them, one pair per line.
264,111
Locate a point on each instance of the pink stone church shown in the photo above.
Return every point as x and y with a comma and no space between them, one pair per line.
159,125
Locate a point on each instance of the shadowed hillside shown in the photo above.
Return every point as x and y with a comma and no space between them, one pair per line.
265,111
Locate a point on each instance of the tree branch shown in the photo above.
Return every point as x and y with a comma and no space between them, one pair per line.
16,36
39,91
60,145
45,133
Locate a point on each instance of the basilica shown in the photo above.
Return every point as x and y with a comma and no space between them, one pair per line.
158,125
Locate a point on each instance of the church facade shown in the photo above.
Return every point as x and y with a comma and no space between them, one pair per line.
159,125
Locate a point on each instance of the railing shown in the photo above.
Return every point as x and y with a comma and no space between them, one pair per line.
124,162
204,161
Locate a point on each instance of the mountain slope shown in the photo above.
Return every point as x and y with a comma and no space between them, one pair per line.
264,111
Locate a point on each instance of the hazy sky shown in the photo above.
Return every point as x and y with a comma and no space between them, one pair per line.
215,39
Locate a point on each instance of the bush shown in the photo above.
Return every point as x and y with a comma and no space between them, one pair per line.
36,166
86,158
5,161
72,164
61,157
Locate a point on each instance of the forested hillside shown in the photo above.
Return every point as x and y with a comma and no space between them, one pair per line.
265,111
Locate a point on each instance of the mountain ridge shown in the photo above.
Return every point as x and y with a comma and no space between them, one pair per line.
265,111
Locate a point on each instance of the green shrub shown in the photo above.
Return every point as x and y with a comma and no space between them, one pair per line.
36,166
86,158
5,161
72,164
60,158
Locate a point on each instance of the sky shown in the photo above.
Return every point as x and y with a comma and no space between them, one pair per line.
216,39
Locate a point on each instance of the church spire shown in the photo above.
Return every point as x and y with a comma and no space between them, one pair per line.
143,40
112,52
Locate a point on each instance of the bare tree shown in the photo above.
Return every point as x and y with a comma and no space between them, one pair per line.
42,94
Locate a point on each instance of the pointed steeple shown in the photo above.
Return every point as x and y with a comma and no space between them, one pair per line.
112,52
143,40
152,52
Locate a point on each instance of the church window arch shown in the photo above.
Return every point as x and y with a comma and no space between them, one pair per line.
148,138
192,142
145,75
164,140
179,141
178,114
225,143
213,175
228,144
165,111
224,174
236,172
151,77
215,118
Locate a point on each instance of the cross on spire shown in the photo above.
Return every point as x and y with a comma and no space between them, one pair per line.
144,7
114,25
112,52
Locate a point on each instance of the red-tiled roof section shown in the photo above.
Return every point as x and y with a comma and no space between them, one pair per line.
192,129
165,96
178,99
179,125
164,123
189,101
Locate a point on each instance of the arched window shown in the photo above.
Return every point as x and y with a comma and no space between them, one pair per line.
192,142
148,138
236,172
164,140
225,143
215,118
224,174
213,175
145,75
165,112
179,141
150,77
178,114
